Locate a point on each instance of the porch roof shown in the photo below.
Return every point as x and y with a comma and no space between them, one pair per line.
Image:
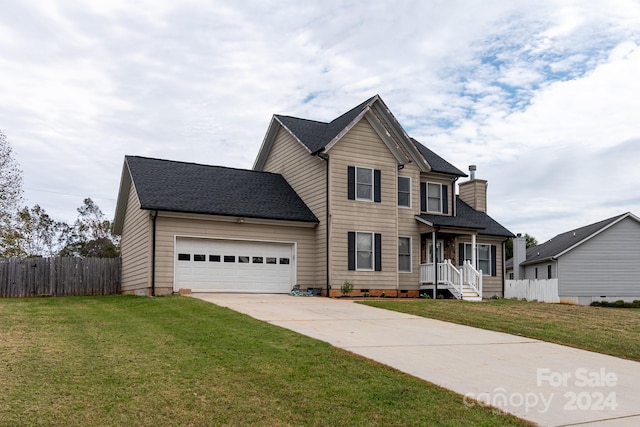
467,218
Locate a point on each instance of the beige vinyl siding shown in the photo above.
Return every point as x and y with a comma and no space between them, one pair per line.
606,265
474,193
307,176
135,246
362,147
409,227
169,226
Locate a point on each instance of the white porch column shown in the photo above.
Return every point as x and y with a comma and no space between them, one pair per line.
473,251
434,236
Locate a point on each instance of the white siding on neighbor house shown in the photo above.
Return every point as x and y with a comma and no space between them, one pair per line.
543,270
135,246
307,176
606,265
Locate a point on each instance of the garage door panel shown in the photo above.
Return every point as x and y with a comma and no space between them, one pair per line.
256,266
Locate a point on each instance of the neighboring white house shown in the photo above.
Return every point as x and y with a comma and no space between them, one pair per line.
597,262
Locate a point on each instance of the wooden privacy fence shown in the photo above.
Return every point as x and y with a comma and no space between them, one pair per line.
543,290
28,277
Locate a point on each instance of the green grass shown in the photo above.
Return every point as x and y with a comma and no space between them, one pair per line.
603,330
124,360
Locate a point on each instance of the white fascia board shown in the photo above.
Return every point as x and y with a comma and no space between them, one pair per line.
403,137
123,199
347,128
424,221
268,141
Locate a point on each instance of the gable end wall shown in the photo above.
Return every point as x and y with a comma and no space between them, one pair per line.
307,176
605,265
135,247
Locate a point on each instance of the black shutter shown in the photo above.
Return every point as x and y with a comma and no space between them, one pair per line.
376,186
493,260
423,197
351,249
351,182
445,200
460,253
378,251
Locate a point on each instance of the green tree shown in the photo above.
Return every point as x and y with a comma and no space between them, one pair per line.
90,235
35,234
10,195
508,246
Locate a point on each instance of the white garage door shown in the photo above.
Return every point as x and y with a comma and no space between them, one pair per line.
211,265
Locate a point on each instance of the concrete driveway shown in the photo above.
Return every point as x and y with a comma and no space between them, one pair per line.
548,384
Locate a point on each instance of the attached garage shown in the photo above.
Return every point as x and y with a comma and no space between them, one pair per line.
211,229
221,265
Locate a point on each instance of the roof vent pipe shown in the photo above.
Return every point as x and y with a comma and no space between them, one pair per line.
472,171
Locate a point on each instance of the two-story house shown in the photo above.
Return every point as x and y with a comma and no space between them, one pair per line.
355,199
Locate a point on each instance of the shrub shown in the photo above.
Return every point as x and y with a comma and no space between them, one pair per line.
346,287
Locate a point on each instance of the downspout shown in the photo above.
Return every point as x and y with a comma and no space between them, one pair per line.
154,215
325,157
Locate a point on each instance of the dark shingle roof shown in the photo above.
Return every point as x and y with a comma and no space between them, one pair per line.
560,243
316,135
188,187
467,217
437,163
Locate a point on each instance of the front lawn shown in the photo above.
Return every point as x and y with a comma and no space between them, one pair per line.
603,330
124,360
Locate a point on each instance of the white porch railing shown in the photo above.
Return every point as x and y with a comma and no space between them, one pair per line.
456,280
472,277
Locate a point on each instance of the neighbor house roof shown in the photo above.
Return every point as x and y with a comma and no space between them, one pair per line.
468,218
318,136
194,188
564,242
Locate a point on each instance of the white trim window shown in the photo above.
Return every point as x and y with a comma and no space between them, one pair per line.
434,197
404,191
483,257
404,254
364,251
364,184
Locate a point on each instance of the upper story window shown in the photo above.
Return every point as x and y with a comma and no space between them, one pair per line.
364,184
404,191
433,198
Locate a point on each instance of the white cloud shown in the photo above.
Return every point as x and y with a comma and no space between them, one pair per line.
528,91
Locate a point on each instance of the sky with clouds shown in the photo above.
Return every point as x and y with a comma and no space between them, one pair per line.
544,96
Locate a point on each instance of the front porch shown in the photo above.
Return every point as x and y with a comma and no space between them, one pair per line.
464,282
